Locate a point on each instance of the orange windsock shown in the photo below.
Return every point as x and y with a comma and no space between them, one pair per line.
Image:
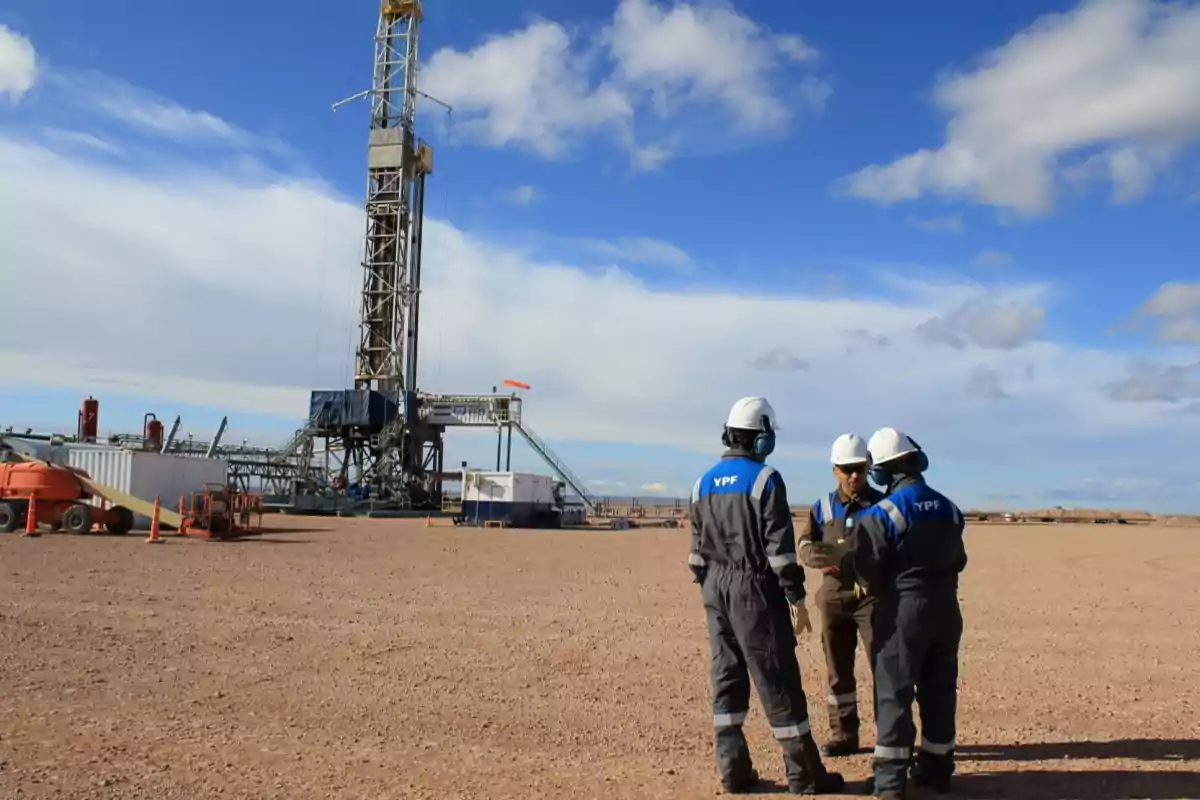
516,384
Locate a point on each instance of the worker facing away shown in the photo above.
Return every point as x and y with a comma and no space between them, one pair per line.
744,558
909,552
845,608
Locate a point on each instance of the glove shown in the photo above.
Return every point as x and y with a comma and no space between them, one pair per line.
860,591
829,554
800,621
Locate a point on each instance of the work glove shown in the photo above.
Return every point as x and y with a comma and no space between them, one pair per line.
860,591
800,621
829,554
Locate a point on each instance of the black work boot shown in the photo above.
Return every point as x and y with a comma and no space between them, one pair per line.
733,762
805,772
932,771
841,746
744,783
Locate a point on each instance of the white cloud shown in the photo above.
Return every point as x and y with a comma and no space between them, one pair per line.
529,88
152,115
701,52
986,382
18,64
521,195
984,322
640,250
543,90
146,249
1175,309
81,139
1121,76
1155,383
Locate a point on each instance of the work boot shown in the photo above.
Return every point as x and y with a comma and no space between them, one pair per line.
742,784
869,789
805,772
846,746
733,761
932,771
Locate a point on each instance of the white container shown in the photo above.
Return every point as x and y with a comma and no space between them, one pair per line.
508,487
146,475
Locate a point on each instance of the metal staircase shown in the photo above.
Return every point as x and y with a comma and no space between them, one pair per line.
559,466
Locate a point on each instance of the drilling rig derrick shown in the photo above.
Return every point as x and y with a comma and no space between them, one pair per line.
387,450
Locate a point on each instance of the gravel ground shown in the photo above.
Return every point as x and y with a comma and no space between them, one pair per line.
382,659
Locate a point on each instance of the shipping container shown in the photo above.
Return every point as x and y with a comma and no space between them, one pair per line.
509,487
516,498
145,475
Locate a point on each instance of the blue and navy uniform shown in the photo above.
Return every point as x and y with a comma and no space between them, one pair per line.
845,616
744,557
909,552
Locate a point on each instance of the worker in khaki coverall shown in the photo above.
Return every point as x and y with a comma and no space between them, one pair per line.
845,608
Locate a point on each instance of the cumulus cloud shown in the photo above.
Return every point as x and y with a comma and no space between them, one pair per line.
1174,309
779,359
145,248
861,338
1121,77
986,383
1149,382
521,195
542,89
985,323
18,64
640,250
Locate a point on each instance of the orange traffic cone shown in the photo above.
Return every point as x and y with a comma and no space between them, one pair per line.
31,526
154,538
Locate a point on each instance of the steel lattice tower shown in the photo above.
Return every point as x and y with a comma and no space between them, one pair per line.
386,359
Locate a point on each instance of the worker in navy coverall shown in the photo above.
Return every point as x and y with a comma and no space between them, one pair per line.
908,553
744,557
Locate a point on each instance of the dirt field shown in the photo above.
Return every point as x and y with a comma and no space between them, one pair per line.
382,659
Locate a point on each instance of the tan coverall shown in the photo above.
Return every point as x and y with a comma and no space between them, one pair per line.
843,616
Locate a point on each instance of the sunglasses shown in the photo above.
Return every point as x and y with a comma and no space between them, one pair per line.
852,469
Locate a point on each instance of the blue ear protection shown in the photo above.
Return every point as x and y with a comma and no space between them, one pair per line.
881,476
764,443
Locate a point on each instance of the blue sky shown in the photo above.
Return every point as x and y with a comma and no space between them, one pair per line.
970,224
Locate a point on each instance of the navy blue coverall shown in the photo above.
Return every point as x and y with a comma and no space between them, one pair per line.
909,552
744,557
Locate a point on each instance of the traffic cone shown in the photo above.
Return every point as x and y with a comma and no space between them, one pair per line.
31,526
154,538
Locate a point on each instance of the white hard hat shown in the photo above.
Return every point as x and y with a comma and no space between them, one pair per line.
887,444
849,448
748,412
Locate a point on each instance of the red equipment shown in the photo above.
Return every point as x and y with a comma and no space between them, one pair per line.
89,420
61,500
152,431
221,512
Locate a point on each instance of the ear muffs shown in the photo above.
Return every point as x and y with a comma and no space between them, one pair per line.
922,459
881,476
764,443
725,440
